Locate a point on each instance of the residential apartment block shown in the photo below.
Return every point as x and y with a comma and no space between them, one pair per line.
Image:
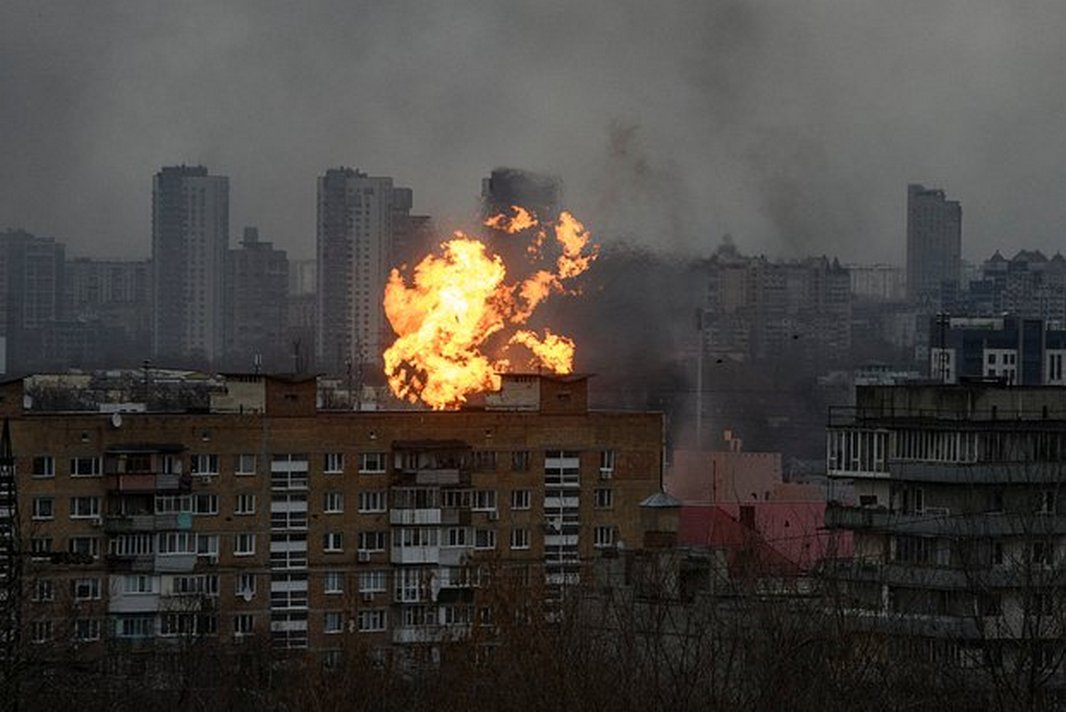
954,495
324,532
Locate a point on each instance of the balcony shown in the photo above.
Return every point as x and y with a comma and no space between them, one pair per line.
133,603
141,482
124,524
412,517
429,633
415,555
941,522
442,477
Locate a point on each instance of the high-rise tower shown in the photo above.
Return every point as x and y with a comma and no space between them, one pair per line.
358,216
934,245
190,235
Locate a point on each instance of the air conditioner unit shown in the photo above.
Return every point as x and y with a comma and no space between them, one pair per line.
368,597
205,479
606,474
494,515
363,556
97,522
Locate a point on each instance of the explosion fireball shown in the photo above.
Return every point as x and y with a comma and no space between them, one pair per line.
460,308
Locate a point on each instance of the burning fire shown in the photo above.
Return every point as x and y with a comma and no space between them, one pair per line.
460,308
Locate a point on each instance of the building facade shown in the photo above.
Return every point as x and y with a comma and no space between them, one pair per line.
190,237
325,532
954,497
1011,349
257,283
757,309
358,216
934,246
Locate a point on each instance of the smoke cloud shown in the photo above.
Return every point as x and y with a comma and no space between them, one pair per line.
793,126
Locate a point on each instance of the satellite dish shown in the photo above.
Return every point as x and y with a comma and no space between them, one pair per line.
116,420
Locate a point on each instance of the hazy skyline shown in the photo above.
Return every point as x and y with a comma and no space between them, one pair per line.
793,126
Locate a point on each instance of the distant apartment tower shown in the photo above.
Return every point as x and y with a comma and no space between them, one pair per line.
190,235
257,277
757,309
934,245
31,295
112,296
357,219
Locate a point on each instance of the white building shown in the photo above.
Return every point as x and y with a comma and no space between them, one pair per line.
357,215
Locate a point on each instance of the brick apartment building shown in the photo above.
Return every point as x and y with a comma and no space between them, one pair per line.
265,517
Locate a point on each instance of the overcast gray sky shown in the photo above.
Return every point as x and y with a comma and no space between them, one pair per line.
794,126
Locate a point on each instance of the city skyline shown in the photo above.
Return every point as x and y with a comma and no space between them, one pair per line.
790,128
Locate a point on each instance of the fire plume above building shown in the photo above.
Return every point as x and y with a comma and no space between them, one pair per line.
459,322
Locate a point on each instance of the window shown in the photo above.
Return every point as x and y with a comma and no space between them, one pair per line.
603,537
86,589
457,536
244,464
372,541
603,498
520,461
485,460
196,585
43,590
519,538
173,504
332,542
84,546
371,462
333,582
43,508
41,632
136,627
204,465
372,582
484,538
1042,553
520,499
86,629
372,501
483,500
203,504
331,659
207,545
334,463
176,543
41,546
245,587
333,502
333,622
44,466
139,584
370,621
606,463
1047,502
243,625
245,504
244,545
85,467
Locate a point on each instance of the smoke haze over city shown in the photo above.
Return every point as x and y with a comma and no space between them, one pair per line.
793,127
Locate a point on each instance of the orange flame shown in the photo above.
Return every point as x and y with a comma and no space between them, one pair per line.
459,305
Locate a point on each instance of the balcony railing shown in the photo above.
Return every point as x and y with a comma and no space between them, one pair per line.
933,522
